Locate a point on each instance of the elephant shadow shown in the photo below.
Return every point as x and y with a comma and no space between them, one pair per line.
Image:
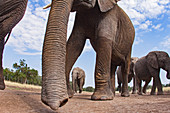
83,96
165,94
33,100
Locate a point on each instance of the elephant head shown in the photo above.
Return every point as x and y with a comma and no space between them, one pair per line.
159,59
104,5
54,90
133,61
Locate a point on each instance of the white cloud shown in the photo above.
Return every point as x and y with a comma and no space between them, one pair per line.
138,40
47,1
164,1
164,45
143,10
27,37
158,27
145,25
166,42
168,25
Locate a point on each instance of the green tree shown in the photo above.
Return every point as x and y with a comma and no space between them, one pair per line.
22,74
8,74
89,89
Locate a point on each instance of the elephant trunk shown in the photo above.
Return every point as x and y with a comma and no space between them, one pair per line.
54,90
168,75
167,67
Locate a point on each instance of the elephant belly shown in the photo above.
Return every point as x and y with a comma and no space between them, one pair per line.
141,71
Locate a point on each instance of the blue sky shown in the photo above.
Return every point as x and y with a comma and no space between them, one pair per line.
151,19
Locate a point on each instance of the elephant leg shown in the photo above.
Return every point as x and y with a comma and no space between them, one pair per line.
125,72
145,86
159,85
74,84
81,85
140,88
102,70
5,27
153,87
134,85
2,84
112,78
74,47
119,87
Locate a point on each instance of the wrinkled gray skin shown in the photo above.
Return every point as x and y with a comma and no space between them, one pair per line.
78,79
148,67
130,75
11,12
111,34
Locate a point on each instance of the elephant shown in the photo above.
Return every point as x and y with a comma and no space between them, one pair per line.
111,34
148,67
130,75
11,12
78,79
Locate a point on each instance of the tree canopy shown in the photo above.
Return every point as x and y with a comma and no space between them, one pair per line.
22,74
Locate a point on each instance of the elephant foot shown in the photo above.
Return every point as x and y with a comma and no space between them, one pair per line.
102,95
152,93
70,92
80,91
54,105
134,92
144,91
2,86
139,93
125,94
160,93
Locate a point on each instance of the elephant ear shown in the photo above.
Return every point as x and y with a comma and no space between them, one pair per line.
152,60
106,5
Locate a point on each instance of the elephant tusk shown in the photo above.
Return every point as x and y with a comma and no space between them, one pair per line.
47,6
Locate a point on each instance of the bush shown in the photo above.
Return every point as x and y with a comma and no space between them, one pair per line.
129,88
167,85
88,89
149,87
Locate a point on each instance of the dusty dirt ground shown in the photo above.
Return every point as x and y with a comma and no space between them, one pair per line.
14,100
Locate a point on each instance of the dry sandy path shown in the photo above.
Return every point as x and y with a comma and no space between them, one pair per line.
28,101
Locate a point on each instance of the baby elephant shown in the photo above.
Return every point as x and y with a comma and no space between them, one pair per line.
148,67
130,75
78,79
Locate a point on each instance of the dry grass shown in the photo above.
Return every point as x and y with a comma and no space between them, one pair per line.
164,89
10,84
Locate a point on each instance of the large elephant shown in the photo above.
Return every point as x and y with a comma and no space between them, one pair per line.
148,67
78,79
111,34
11,12
130,75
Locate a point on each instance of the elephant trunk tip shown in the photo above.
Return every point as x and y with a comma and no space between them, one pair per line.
55,105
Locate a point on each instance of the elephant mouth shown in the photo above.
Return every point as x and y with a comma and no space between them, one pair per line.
83,3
